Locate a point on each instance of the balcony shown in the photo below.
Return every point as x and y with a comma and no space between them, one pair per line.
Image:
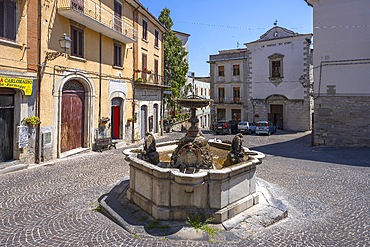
234,100
148,79
98,18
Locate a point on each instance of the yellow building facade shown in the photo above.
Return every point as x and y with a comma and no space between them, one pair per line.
86,91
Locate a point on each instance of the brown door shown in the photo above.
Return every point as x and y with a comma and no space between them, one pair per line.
6,126
72,124
276,116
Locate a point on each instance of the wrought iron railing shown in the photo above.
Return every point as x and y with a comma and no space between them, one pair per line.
226,100
149,77
101,14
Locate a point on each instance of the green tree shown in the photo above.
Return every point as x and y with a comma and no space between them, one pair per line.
175,65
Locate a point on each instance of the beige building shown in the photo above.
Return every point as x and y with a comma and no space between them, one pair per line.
91,89
228,84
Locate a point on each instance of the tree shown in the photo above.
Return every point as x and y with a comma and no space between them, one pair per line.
175,65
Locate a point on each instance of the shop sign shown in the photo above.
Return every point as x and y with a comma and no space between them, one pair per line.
18,83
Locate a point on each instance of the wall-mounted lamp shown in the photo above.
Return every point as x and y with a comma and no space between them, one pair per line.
65,43
305,82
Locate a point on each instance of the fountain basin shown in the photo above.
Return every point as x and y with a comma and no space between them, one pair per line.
168,194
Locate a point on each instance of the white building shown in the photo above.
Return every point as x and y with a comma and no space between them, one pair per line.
280,79
342,72
201,88
228,78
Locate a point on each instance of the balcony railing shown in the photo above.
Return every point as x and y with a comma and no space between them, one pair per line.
98,18
225,100
149,78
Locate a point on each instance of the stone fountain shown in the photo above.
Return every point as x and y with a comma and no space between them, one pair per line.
191,182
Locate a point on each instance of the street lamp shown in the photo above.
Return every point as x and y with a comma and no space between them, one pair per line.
65,43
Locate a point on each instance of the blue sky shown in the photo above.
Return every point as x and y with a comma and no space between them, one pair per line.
216,25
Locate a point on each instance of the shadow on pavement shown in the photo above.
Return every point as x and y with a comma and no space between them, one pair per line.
300,148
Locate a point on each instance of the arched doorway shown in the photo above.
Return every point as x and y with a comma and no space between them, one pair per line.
6,124
143,120
116,118
72,116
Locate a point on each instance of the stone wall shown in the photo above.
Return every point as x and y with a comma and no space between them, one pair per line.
297,114
342,121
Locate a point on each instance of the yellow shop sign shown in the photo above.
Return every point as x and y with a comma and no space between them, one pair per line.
19,83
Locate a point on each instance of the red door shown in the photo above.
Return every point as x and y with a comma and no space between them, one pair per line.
115,121
72,124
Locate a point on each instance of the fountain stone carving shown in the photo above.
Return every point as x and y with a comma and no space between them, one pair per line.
193,152
192,181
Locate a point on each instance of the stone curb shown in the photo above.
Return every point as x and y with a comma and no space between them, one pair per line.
269,211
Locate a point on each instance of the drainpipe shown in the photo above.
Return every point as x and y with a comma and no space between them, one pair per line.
100,71
38,89
100,63
133,78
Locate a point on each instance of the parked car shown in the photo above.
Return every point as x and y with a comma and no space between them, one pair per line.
246,127
226,127
265,127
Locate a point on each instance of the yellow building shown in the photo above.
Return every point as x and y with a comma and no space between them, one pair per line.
85,91
18,72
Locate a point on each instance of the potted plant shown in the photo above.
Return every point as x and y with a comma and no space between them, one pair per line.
32,120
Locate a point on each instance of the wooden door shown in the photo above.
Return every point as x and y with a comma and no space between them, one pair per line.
116,119
276,116
6,126
72,119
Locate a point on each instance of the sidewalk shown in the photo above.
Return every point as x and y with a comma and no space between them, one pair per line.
16,165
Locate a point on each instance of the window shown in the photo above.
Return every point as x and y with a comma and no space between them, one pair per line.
221,71
8,12
236,114
145,30
77,46
156,68
118,16
236,94
117,55
276,68
221,114
221,95
144,64
236,70
156,40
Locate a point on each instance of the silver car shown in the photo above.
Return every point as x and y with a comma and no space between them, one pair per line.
246,128
265,127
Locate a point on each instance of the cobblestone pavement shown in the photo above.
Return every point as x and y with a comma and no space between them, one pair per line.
326,190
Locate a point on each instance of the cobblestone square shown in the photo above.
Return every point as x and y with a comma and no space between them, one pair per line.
326,190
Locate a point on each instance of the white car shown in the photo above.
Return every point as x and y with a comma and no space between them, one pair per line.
246,128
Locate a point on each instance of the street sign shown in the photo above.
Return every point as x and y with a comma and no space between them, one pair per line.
167,92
